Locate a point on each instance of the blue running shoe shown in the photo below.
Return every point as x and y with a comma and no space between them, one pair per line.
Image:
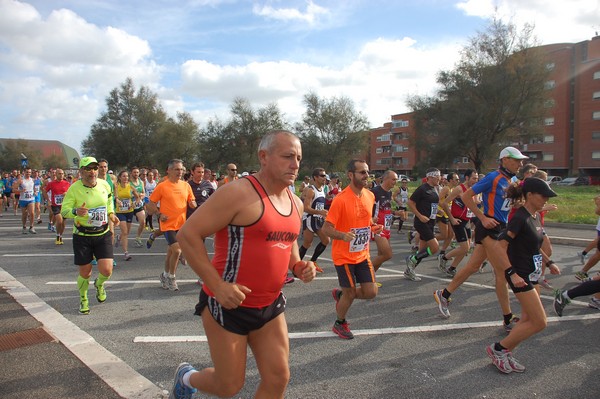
180,390
94,262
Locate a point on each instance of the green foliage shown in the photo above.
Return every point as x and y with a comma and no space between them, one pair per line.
10,155
493,97
575,204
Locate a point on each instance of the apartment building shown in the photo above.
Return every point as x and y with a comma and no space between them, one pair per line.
570,145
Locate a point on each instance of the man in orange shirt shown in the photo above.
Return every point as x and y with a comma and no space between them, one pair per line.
350,226
174,196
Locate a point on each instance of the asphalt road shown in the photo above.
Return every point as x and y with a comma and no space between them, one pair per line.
402,348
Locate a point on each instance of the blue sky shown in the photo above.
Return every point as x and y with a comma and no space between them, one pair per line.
59,59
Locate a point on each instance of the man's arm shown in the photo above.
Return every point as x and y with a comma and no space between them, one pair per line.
467,198
456,191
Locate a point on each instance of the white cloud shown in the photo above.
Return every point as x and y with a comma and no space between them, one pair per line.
379,79
310,16
555,21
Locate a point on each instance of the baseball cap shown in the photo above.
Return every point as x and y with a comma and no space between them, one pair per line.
511,152
86,161
245,174
537,186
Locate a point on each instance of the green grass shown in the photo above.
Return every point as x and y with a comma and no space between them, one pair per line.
575,204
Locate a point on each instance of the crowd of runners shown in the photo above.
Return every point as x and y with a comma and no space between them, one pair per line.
256,219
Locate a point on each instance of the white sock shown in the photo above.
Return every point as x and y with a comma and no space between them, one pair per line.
171,275
186,378
566,295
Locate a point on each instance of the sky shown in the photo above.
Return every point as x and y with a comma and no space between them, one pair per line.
59,59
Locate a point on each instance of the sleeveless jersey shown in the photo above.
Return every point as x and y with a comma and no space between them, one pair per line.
26,189
123,194
318,203
382,209
140,189
258,255
493,188
403,193
459,209
150,186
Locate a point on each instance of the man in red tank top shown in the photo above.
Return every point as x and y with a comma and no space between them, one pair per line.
256,221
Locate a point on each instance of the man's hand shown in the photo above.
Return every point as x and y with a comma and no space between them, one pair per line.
305,271
230,295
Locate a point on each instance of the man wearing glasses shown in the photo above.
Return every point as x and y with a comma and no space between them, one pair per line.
90,202
350,226
231,174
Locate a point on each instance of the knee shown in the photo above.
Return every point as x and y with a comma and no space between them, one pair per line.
539,324
276,380
230,387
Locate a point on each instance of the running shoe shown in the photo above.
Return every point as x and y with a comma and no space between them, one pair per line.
378,284
499,359
172,284
451,271
409,236
288,280
442,302
582,276
409,273
138,242
180,390
544,283
118,241
442,263
84,305
24,230
100,291
39,221
53,229
94,262
32,230
163,281
513,321
514,363
150,241
61,241
342,330
559,302
57,241
50,226
318,269
128,257
594,303
483,264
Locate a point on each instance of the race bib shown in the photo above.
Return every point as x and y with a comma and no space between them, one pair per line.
387,222
537,263
97,216
58,199
470,213
434,209
125,205
138,204
361,239
27,195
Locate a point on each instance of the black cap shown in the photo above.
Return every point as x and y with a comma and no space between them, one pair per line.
537,186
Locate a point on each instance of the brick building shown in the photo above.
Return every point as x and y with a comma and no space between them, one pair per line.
570,145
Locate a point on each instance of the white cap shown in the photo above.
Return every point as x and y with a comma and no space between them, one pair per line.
245,174
512,152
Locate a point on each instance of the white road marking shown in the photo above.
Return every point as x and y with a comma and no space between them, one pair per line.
376,331
127,382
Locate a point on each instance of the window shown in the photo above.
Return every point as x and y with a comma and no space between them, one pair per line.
384,137
550,66
549,138
597,75
549,121
596,115
379,150
551,84
548,157
595,135
399,123
596,95
595,154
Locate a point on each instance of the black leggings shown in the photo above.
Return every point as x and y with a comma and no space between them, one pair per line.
149,222
584,289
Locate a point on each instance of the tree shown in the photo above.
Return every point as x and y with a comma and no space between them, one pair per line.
178,139
332,132
126,133
236,140
10,155
493,97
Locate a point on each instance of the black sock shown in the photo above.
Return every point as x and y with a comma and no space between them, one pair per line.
452,268
422,255
446,294
442,252
498,347
338,321
584,253
302,251
507,318
318,251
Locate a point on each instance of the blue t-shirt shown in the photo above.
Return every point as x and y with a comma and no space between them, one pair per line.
493,188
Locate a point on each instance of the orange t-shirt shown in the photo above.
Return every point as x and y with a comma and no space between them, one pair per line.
351,213
173,198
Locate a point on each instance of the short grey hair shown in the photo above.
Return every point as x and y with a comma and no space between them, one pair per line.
266,143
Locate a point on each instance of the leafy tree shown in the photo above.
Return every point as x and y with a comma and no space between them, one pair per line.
10,155
494,96
332,132
178,139
54,161
126,133
236,140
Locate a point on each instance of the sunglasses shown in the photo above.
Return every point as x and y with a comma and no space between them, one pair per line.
233,170
90,168
363,172
322,175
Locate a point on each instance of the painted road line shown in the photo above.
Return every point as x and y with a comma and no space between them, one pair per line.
116,373
366,332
